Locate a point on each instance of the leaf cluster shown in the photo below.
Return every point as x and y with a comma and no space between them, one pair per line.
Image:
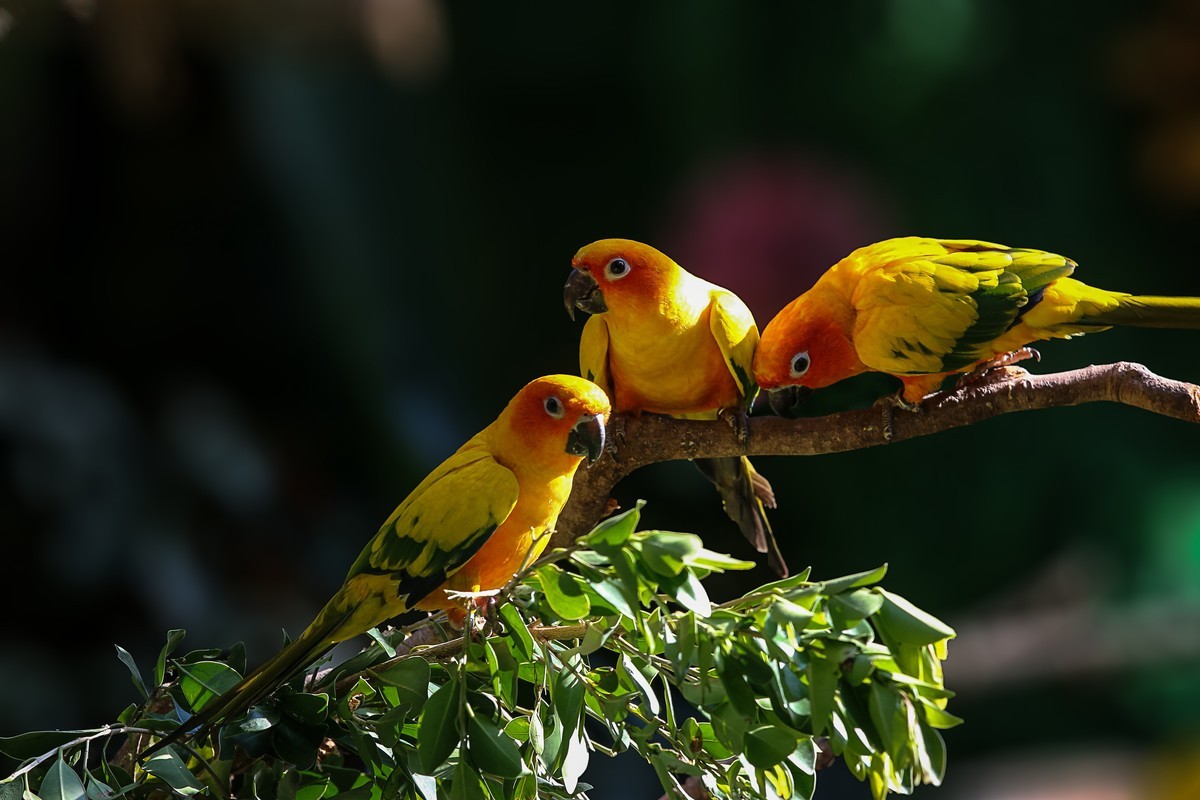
612,645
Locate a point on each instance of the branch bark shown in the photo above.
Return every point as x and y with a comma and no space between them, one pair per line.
650,438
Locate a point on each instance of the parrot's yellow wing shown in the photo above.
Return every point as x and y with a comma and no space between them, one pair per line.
733,327
593,353
939,304
441,524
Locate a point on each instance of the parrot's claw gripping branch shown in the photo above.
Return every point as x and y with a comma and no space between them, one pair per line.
1000,362
739,421
651,438
889,403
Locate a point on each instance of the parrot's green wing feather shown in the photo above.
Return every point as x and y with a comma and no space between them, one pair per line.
593,353
940,305
441,524
733,327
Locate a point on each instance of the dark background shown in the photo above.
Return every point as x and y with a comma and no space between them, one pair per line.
265,264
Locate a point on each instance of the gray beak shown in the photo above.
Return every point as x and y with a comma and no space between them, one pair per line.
582,292
786,399
587,437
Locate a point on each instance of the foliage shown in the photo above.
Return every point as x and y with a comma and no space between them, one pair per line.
610,646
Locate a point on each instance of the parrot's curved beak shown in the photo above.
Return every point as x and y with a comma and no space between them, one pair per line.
786,399
584,293
586,439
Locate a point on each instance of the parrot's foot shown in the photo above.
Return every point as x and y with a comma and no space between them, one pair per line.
999,362
889,403
472,602
739,420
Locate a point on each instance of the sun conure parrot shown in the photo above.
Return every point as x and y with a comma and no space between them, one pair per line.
468,527
923,309
665,341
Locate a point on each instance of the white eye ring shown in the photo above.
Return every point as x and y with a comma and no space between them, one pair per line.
616,269
554,407
800,364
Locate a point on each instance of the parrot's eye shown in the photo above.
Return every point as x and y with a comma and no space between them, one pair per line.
554,407
617,268
800,364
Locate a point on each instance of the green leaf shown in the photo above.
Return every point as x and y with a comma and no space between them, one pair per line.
768,745
576,761
628,666
690,594
567,693
312,789
426,785
491,750
730,669
518,729
717,562
933,755
517,630
938,717
804,757
174,637
822,683
552,744
537,735
383,643
12,789
785,584
503,668
61,782
856,605
785,612
35,743
887,713
665,552
438,733
410,678
903,622
170,769
309,708
854,581
613,531
564,592
467,784
524,788
594,637
611,592
134,672
730,726
204,682
296,742
622,563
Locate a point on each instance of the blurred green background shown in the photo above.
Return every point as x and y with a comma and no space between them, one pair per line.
265,264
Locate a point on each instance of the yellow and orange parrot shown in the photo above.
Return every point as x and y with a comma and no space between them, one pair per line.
468,527
665,341
923,309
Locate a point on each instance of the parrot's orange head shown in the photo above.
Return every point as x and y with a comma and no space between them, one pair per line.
558,414
804,346
615,274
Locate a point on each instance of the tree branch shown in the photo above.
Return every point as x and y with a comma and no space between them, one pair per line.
650,438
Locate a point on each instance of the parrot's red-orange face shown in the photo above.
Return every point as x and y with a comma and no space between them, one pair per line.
803,347
560,413
616,274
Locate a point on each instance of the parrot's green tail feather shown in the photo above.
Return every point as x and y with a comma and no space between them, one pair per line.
1151,312
268,677
746,494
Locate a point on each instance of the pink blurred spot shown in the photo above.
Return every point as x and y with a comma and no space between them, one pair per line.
766,226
